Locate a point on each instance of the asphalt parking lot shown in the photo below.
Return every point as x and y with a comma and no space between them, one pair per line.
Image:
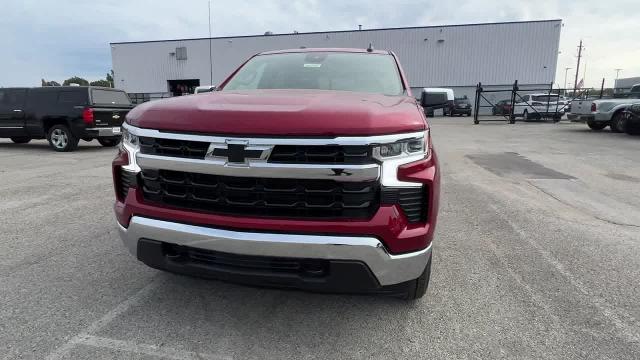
537,255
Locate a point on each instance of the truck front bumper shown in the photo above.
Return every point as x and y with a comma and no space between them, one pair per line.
310,262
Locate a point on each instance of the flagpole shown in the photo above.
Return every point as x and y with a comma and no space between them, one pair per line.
210,56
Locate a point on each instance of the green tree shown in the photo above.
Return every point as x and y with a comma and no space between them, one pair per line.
110,77
101,82
75,80
50,83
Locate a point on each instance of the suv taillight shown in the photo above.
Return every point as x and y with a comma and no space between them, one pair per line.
87,116
593,107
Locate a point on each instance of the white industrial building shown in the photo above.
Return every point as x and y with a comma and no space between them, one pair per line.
626,83
457,56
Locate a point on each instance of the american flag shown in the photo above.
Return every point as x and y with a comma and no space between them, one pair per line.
581,84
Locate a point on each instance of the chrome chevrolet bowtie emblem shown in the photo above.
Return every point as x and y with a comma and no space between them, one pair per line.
115,116
238,152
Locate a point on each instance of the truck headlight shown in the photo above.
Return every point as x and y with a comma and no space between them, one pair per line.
131,145
402,148
129,139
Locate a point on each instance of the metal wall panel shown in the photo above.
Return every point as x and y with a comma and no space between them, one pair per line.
626,83
459,55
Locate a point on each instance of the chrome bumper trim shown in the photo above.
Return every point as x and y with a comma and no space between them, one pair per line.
105,131
388,269
338,140
262,169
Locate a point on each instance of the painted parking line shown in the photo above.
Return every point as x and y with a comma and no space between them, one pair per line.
146,349
104,320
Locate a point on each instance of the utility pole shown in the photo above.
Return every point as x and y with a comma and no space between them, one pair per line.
566,70
575,83
210,55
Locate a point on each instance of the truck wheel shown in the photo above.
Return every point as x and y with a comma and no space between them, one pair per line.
108,142
597,126
61,139
617,122
21,139
418,287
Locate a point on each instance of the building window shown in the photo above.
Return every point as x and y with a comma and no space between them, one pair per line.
181,53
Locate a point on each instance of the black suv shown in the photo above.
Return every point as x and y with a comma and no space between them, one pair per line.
63,115
460,106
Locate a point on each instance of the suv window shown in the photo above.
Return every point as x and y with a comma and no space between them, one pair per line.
42,98
374,73
12,98
545,98
72,97
109,97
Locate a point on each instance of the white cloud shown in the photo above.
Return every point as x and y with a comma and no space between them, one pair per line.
56,40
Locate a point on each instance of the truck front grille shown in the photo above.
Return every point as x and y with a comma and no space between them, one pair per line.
330,154
283,154
173,148
291,198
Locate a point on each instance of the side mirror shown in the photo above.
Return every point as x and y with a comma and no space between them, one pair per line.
434,99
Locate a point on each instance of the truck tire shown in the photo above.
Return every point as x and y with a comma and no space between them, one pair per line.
61,139
617,122
108,142
21,139
418,287
597,126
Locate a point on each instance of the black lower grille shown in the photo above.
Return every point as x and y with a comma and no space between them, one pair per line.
267,264
292,198
173,148
412,200
329,154
127,179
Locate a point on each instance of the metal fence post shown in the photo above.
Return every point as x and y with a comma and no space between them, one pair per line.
549,99
512,116
476,105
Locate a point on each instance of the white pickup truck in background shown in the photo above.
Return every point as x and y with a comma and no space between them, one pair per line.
600,113
540,106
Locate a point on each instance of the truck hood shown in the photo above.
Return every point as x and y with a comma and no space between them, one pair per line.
282,112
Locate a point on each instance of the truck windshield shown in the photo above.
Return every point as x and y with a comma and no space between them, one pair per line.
373,73
109,97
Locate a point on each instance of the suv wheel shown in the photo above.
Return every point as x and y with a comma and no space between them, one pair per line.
418,287
596,125
617,122
61,139
108,142
21,139
525,115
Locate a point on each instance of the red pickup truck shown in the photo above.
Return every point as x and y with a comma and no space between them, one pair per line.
306,168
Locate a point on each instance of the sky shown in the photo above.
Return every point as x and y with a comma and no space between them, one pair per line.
59,39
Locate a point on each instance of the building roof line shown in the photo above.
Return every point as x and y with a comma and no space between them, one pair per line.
339,31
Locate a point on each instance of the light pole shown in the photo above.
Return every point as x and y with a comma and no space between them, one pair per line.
565,79
615,82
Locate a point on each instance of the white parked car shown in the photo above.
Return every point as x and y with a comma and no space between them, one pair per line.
538,106
204,89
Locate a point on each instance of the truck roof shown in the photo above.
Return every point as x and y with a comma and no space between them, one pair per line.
302,50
